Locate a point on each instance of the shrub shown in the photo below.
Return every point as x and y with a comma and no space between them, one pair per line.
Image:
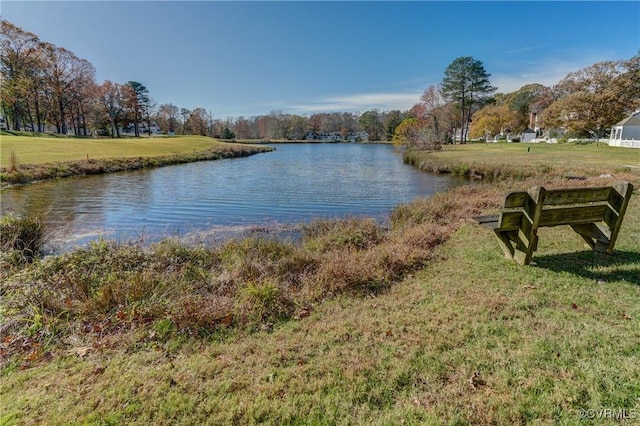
261,301
24,238
14,165
354,233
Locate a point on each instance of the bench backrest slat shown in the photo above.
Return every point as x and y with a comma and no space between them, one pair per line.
576,215
561,197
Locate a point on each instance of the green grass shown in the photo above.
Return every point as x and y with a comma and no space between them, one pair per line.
36,158
521,160
471,338
38,150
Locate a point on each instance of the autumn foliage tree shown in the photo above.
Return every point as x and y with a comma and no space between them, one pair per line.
43,83
492,120
113,101
592,99
408,132
21,70
371,123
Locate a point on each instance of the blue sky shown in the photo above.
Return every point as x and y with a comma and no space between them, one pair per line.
249,58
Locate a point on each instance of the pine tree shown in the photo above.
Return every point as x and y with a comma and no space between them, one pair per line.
467,84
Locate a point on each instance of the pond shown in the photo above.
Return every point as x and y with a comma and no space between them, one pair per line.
293,184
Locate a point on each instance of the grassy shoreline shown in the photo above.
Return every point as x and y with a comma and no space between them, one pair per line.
500,161
425,323
79,157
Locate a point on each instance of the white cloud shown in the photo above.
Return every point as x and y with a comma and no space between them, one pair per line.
360,102
511,83
544,71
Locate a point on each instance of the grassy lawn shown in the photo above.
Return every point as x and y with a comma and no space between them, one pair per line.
470,339
515,159
38,150
26,158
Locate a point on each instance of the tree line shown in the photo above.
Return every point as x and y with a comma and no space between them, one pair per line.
48,88
584,104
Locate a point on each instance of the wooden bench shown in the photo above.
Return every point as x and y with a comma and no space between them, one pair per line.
594,213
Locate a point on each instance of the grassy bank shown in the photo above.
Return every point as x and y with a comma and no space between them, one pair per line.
518,160
26,159
424,323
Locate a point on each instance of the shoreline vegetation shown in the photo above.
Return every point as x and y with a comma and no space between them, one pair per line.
112,158
421,323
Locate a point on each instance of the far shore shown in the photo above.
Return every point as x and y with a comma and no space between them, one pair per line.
282,141
80,157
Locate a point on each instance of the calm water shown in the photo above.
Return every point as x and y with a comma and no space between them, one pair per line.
296,183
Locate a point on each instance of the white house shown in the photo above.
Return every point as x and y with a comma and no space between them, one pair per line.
142,129
528,135
627,132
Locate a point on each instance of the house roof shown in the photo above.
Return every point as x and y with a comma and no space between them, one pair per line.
632,120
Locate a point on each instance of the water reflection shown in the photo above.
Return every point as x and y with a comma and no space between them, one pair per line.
295,183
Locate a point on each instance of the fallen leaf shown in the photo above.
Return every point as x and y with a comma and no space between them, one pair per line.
530,287
80,351
303,314
475,380
32,356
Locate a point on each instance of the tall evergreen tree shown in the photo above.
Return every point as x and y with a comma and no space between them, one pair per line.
467,84
139,99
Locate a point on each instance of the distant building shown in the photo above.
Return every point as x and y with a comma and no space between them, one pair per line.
627,132
528,135
337,137
142,129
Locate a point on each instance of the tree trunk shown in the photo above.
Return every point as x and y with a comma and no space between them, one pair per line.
462,118
136,118
38,118
16,116
84,121
435,120
63,121
30,116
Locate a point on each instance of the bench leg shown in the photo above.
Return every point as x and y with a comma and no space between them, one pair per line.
524,252
596,238
514,247
505,243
